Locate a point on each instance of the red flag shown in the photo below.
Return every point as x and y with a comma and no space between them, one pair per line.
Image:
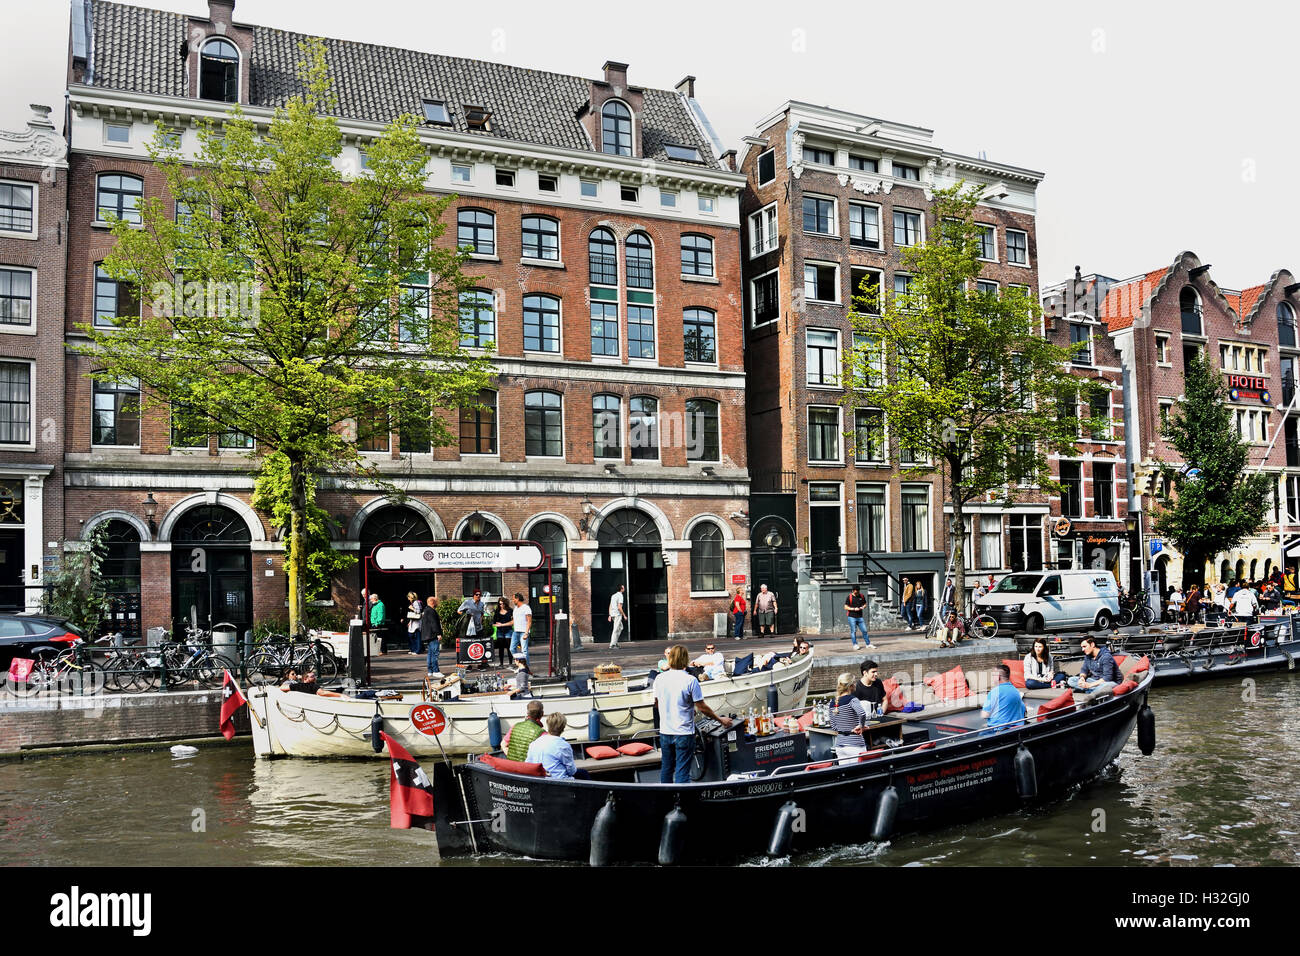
410,790
231,701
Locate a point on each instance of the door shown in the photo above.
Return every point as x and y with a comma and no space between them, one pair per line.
647,581
544,610
607,573
216,583
11,570
1050,602
824,530
775,568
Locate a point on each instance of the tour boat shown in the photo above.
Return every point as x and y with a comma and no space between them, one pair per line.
779,794
295,724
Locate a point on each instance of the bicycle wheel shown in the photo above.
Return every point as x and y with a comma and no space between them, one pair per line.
985,626
323,663
1148,615
1125,617
264,668
211,670
86,678
144,676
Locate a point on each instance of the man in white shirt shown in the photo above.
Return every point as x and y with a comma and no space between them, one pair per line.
678,696
616,615
523,622
715,666
1244,603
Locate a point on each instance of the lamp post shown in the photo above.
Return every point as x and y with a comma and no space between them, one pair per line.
150,512
475,525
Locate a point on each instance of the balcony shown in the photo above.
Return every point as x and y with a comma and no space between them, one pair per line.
1192,321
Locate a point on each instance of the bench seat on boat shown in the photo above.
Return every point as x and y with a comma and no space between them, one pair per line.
621,762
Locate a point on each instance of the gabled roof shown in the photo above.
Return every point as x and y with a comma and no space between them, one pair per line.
139,50
1124,300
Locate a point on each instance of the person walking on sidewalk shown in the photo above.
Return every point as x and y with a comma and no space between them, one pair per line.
945,603
431,632
853,607
765,608
414,608
738,609
523,624
909,604
617,615
919,597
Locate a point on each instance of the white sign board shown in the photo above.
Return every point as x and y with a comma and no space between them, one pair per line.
456,557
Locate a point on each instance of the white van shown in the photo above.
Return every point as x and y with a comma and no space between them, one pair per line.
1036,601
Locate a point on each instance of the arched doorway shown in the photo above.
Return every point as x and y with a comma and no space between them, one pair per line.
771,562
393,523
1162,576
211,568
629,553
1241,570
121,571
489,582
555,544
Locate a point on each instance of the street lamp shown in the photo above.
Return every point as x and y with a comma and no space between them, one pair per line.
584,523
475,524
151,512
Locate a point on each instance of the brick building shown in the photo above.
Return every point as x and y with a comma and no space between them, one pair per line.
831,199
33,251
604,221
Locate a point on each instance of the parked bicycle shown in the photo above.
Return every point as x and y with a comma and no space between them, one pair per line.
69,669
1136,609
300,651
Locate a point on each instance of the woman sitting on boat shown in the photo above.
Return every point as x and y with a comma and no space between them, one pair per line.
1040,668
848,720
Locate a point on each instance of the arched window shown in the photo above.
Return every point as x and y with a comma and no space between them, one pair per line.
643,428
543,425
602,257
478,319
541,323
1189,304
541,238
210,524
616,129
476,228
121,571
118,197
1285,324
606,426
706,557
489,582
1254,562
219,72
702,433
552,539
628,528
1225,572
640,262
697,255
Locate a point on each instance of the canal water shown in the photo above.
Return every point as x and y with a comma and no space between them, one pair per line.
1222,788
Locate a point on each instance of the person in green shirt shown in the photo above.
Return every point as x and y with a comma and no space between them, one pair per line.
525,732
378,623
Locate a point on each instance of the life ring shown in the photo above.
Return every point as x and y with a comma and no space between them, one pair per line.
1256,639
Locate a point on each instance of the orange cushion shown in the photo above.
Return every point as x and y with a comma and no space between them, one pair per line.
1017,673
895,699
870,755
820,766
928,745
601,752
632,750
1063,702
806,720
950,685
1143,665
514,766
1124,688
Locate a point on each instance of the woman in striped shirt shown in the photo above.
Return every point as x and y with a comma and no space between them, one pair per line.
848,720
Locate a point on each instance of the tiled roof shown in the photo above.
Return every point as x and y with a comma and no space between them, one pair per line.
1249,298
1124,300
139,50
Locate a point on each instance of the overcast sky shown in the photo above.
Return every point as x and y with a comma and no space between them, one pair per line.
1160,126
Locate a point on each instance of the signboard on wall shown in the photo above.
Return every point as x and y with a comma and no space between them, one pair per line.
458,557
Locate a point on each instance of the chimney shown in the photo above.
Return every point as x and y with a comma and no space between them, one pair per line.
686,87
221,11
616,75
728,159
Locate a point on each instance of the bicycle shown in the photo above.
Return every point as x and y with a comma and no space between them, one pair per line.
179,663
982,626
299,651
84,675
1136,608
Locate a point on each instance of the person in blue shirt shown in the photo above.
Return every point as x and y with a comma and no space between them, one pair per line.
1099,673
1004,708
553,752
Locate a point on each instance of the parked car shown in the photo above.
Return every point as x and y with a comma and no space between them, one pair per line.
1037,601
34,636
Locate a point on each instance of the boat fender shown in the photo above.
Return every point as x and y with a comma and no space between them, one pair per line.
773,699
593,724
886,811
1026,774
494,730
602,835
376,729
672,838
1146,730
783,831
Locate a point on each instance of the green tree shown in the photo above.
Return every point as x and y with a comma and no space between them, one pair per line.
966,380
76,590
1216,508
292,302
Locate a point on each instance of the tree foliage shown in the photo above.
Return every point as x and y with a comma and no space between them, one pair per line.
1219,507
76,590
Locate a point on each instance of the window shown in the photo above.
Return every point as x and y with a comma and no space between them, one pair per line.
15,403
478,320
477,229
541,238
118,197
1099,405
616,129
234,438
697,255
819,215
1285,314
907,228
872,523
602,258
589,188
17,208
699,338
478,426
1067,409
543,425
707,204
1081,342
864,163
686,154
548,184
872,349
640,262
1071,490
643,429
707,558
116,416
119,133
667,199
476,117
541,323
374,431
823,434
604,328
1026,543
629,193
916,517
16,295
820,282
1166,408
864,226
459,173
640,332
703,441
189,427
988,243
814,154
1024,461
415,431
765,298
823,357
1189,304
869,436
984,287
413,316
867,289
1017,247
607,435
1103,490
766,167
985,553
902,171
903,291
1162,349
435,111
506,177
113,299
219,72
762,231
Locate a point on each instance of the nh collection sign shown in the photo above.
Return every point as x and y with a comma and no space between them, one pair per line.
458,557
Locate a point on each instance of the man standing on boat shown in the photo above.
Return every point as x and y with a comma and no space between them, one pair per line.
678,696
617,616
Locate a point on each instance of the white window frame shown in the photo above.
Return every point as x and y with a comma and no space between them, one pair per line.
758,164
1074,345
595,184
880,288
993,229
636,194
757,220
668,199
883,460
469,173
882,366
512,173
857,507
816,264
834,219
35,232
904,179
920,218
708,205
1007,242
552,179
30,328
838,383
870,159
753,300
31,405
929,510
806,159
880,216
996,290
1162,350
839,435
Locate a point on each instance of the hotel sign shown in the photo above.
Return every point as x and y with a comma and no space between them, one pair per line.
1242,387
458,557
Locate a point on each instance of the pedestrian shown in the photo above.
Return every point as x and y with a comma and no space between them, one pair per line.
617,615
431,633
738,613
908,605
678,697
919,597
378,620
765,608
414,608
853,606
1192,606
945,602
523,622
502,625
471,609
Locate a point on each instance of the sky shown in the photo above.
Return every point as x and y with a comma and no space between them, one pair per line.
1160,126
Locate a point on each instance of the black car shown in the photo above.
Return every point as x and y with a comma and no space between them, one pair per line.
29,636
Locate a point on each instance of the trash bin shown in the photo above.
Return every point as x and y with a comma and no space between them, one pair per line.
225,642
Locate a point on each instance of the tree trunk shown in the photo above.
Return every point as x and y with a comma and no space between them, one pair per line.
958,543
296,563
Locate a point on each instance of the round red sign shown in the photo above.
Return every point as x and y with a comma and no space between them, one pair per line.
428,720
475,651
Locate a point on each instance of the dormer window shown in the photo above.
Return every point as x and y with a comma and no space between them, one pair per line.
616,129
476,117
687,154
219,71
435,111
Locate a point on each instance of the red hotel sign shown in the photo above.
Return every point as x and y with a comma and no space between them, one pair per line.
1248,386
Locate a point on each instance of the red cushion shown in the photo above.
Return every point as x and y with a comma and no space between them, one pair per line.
870,755
1017,673
895,699
1062,702
601,752
950,685
928,745
1143,666
806,720
1124,688
633,750
820,766
1120,659
514,766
